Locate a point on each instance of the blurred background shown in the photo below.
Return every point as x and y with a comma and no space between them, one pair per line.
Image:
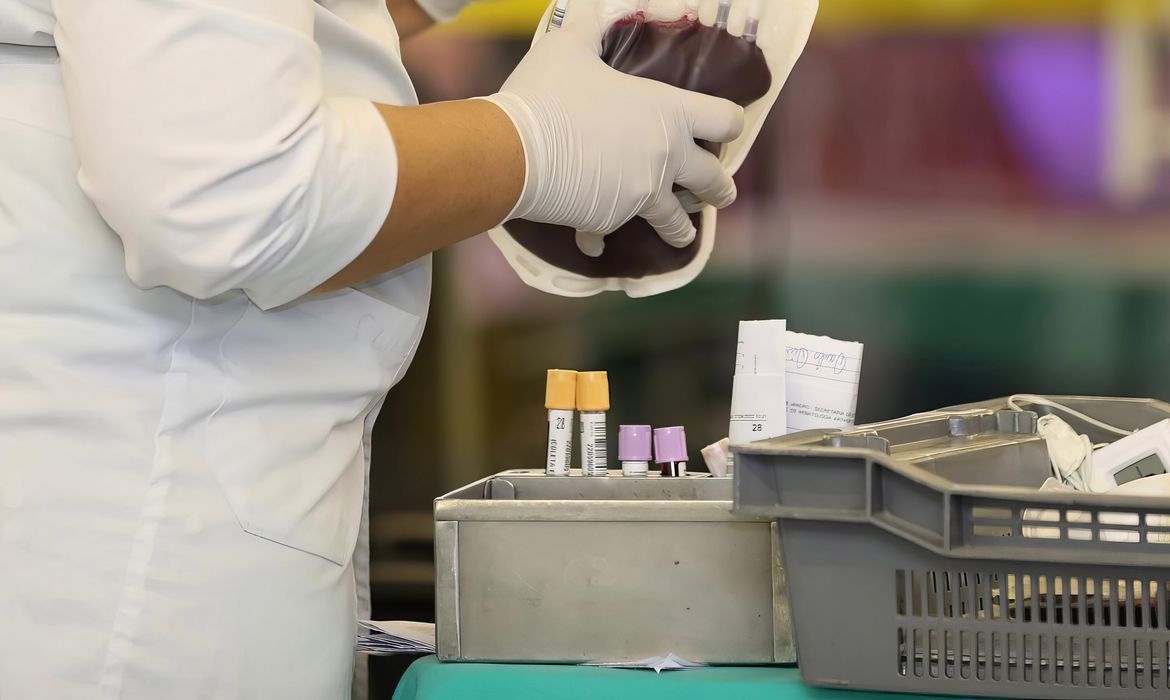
975,189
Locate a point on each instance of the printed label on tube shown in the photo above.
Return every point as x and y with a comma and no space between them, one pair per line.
593,444
560,443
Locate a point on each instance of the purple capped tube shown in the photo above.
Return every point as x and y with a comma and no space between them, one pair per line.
670,450
634,449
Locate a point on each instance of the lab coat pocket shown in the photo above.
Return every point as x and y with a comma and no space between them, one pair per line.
286,444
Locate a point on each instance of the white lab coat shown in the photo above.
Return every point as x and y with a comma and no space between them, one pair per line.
183,439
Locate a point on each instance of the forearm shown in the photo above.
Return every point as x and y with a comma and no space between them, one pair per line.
409,17
460,172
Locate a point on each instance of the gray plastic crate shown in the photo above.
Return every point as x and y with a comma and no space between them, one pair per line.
917,561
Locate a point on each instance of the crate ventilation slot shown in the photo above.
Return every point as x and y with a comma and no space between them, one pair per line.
1070,524
1033,628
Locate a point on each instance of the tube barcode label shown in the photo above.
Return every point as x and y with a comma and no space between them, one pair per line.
600,446
560,443
594,446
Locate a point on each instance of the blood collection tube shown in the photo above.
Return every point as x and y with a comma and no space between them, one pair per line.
560,398
634,449
670,450
593,402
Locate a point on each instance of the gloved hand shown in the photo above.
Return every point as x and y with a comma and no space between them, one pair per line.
443,10
602,146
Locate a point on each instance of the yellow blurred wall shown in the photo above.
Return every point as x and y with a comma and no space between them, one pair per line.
519,17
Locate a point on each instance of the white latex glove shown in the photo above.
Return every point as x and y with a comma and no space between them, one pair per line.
602,147
443,10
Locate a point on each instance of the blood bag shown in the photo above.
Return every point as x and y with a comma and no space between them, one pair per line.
672,43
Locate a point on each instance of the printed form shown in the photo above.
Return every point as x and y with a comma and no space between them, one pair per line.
822,377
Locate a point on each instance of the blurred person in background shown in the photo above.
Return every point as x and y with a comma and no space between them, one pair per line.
215,225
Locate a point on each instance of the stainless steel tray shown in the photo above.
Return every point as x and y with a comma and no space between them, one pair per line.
575,569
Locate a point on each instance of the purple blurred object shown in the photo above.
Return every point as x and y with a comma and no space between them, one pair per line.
1051,90
670,445
634,443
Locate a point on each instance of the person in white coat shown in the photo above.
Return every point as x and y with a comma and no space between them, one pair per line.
215,225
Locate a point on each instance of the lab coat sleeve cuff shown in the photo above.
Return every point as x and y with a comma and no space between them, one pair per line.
358,173
443,10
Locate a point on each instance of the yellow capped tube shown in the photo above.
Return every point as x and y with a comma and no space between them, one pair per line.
593,402
560,398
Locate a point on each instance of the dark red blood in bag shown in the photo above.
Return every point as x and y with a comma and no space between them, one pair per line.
689,55
685,54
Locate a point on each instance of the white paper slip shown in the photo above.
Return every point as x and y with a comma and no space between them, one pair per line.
658,664
758,389
373,648
423,632
822,375
758,408
761,347
398,637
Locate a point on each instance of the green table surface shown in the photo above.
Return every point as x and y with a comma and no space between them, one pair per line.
427,679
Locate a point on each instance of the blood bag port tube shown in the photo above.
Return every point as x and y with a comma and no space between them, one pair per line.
670,450
560,398
722,14
558,15
635,451
593,402
751,25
